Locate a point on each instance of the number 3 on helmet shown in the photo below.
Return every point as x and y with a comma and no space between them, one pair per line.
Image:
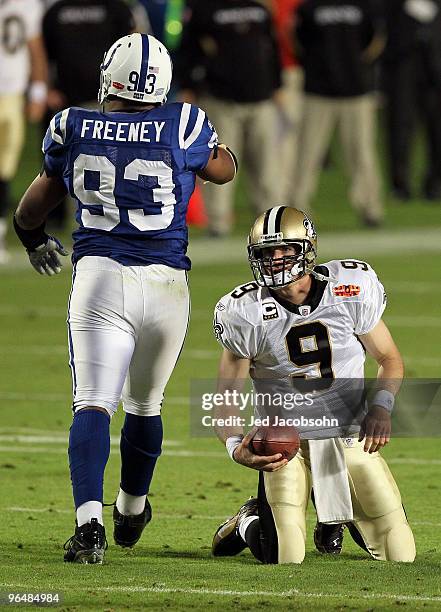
136,67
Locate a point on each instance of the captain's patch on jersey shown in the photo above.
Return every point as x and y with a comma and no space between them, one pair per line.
346,290
269,310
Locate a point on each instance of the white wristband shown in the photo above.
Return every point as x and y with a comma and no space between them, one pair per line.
232,443
37,91
385,399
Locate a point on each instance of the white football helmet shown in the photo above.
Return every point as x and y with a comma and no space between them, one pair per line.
136,67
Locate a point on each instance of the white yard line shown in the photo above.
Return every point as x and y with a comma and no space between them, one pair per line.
158,515
413,322
16,310
61,397
347,596
61,438
24,449
24,446
293,592
341,245
178,517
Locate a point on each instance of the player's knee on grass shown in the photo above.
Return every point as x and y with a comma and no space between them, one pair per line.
378,512
400,543
283,498
389,537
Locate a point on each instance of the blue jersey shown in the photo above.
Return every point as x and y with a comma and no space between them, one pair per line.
131,175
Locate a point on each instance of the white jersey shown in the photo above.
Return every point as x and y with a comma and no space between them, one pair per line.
20,21
316,339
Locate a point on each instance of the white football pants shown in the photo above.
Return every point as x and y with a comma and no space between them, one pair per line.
126,327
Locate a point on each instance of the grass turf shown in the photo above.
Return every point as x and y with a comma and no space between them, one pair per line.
196,485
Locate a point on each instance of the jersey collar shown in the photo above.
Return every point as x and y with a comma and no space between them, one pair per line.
314,296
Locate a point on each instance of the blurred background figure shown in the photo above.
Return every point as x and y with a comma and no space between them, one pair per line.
289,101
76,35
229,62
411,71
339,43
165,19
23,78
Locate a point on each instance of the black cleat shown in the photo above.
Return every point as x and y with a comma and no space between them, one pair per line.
87,545
328,539
227,541
128,529
356,536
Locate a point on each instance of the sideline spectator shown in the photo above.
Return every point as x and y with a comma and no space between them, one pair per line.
340,43
229,59
412,85
23,71
291,99
77,34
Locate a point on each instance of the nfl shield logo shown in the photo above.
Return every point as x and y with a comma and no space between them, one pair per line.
304,310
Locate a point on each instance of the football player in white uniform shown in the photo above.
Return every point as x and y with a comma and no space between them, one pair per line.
299,319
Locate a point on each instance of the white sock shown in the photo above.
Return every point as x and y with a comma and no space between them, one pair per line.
130,505
245,524
88,511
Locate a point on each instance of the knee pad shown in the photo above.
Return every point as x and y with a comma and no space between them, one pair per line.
400,544
388,537
373,488
286,494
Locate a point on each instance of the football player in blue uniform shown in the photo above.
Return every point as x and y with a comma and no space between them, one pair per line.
131,170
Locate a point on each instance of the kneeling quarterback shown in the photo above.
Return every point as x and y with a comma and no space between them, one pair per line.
302,320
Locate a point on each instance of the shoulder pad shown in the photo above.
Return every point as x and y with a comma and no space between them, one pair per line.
351,272
58,129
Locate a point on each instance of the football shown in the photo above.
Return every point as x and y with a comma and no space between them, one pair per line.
276,439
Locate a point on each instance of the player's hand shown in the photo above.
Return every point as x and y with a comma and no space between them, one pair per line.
45,257
243,455
375,429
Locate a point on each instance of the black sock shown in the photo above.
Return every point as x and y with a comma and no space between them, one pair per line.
4,198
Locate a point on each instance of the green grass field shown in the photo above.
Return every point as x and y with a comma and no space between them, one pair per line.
196,485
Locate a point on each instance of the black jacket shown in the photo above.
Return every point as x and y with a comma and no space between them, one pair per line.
333,35
229,50
76,34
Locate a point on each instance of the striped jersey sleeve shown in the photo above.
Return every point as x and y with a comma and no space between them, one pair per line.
197,137
54,143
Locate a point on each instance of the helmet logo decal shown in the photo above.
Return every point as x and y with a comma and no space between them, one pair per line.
309,227
105,66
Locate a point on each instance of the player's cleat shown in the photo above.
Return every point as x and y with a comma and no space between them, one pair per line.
87,545
356,536
227,541
328,539
128,529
